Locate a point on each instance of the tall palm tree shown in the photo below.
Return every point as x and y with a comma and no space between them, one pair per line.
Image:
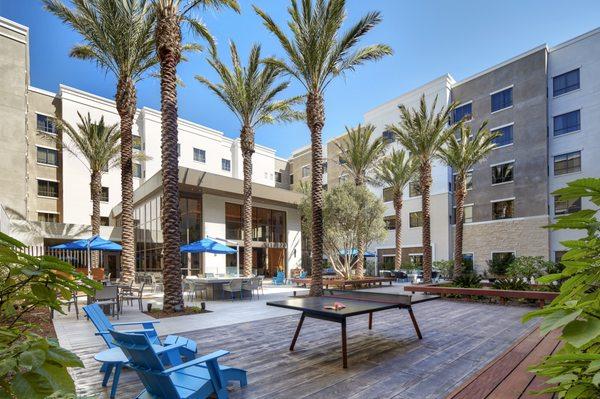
460,153
97,146
249,92
118,37
318,52
396,171
170,15
423,132
359,154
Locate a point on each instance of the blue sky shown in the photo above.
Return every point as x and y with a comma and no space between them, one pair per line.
429,38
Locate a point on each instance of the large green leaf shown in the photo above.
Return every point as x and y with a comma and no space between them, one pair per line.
57,376
32,358
31,386
558,319
63,357
580,332
7,365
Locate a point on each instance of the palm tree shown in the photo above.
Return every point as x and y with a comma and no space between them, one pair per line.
359,155
461,153
118,37
318,52
97,146
396,171
170,15
249,92
423,132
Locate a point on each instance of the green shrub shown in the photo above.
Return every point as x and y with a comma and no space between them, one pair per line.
469,280
32,366
574,370
515,284
446,267
500,267
528,267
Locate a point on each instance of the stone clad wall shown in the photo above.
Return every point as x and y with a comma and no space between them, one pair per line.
524,236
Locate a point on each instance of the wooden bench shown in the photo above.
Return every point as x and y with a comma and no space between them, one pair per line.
507,377
343,284
540,296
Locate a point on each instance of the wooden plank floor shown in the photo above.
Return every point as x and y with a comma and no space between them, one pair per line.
386,362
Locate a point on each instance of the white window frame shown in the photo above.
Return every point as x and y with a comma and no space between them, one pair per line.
47,148
194,154
48,179
504,163
307,167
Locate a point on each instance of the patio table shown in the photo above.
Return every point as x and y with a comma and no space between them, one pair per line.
214,282
112,358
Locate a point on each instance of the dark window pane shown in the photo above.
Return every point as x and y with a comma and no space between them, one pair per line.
233,221
415,219
137,170
48,188
388,136
503,209
464,111
390,222
506,136
278,177
226,164
46,124
563,207
565,83
502,99
566,123
414,189
503,173
199,155
567,163
388,194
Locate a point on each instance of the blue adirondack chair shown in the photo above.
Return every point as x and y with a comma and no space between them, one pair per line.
303,274
279,279
198,378
187,347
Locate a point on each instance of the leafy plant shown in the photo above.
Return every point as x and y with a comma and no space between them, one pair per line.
467,280
514,283
574,371
446,267
528,267
499,267
32,366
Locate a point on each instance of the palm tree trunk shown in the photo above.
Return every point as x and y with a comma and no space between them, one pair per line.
398,226
247,138
425,183
96,190
315,117
459,196
126,104
168,48
360,262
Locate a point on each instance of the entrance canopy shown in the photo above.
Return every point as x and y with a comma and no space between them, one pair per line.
207,245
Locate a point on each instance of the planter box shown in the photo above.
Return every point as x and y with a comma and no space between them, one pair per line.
540,296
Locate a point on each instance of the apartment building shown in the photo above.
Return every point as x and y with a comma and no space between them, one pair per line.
49,199
545,105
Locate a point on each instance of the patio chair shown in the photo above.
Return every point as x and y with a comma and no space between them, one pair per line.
198,378
232,287
260,284
302,274
251,285
201,288
134,294
157,282
108,296
279,279
103,325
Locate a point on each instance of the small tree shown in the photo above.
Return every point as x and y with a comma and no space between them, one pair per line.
351,214
528,267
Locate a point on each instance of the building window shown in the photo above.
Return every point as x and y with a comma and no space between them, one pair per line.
47,188
305,171
388,136
390,222
468,178
567,163
502,99
558,255
226,165
415,219
46,124
47,156
178,150
467,213
566,123
503,209
416,259
414,189
565,83
103,220
199,155
278,177
388,194
505,137
503,257
291,179
137,170
104,194
503,173
467,261
566,206
388,262
137,142
267,224
324,165
47,217
463,112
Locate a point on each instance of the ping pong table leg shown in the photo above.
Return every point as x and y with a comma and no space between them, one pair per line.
414,321
297,332
344,348
371,321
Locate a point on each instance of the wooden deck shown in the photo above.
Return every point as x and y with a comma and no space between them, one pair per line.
387,362
507,377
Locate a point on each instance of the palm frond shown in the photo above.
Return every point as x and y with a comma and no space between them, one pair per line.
359,152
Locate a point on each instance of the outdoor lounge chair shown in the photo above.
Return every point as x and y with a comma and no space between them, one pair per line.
232,287
103,325
198,378
279,279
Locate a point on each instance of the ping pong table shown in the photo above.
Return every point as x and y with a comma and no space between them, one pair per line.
357,303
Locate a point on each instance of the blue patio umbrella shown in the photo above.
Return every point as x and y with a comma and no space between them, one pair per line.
354,252
95,243
207,245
